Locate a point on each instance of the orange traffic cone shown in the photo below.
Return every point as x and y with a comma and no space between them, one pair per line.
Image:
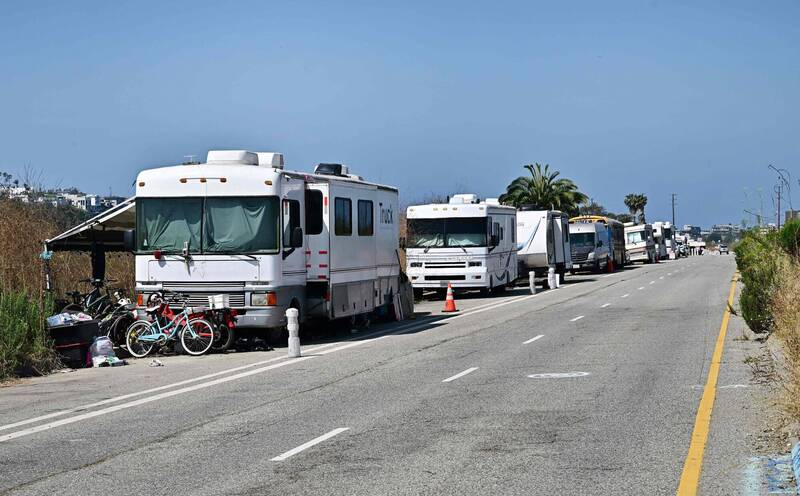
449,302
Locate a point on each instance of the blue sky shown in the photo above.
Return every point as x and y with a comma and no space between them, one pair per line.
694,98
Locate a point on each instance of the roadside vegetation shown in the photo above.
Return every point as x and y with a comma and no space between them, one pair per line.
769,264
25,347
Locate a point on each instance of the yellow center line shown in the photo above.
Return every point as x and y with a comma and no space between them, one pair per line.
690,477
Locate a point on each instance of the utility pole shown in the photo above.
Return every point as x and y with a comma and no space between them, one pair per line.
673,209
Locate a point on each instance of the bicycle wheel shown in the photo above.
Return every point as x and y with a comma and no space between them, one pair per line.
223,338
197,337
137,347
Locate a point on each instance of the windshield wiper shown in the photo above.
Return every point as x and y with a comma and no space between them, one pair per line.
462,248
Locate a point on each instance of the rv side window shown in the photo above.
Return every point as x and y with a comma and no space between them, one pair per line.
365,225
343,213
313,212
291,220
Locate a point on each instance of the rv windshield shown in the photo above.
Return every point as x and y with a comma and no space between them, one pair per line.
452,232
581,239
635,237
210,225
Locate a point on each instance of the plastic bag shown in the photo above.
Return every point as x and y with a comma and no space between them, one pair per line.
100,350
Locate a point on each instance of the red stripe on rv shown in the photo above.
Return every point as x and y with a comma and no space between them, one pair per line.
323,266
323,252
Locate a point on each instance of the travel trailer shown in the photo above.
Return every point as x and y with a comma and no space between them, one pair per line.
466,243
543,242
268,238
596,242
639,243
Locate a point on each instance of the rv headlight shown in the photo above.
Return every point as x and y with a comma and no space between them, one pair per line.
475,264
415,264
591,256
267,299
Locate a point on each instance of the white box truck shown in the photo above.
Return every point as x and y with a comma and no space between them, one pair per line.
639,243
240,224
543,242
466,243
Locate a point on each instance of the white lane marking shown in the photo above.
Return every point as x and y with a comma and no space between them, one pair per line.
625,295
605,305
558,375
641,288
461,374
309,444
669,273
607,275
652,282
662,277
155,389
579,317
531,340
149,399
734,386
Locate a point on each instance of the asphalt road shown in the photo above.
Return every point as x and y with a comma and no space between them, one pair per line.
589,389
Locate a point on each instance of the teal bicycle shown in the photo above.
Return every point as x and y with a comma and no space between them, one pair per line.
189,328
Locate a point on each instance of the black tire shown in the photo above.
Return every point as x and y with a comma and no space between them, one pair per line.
224,337
484,292
73,307
116,331
417,294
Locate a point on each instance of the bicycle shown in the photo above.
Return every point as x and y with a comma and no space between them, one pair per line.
188,327
94,302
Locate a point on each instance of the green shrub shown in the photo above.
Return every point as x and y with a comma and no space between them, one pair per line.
789,237
25,346
757,258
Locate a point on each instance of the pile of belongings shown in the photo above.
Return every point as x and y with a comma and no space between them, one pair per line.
67,318
101,353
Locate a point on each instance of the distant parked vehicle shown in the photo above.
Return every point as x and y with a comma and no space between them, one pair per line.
660,240
664,234
723,249
639,243
596,242
543,242
467,243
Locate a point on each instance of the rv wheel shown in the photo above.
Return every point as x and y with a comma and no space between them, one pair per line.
417,294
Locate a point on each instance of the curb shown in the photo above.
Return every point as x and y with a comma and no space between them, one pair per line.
796,462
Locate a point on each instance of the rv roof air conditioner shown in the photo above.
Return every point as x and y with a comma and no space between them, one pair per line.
270,159
231,157
464,199
331,170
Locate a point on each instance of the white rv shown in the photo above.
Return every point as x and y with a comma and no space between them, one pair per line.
663,242
466,243
639,243
240,224
543,242
590,245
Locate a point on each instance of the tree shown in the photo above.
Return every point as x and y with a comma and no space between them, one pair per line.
636,203
544,190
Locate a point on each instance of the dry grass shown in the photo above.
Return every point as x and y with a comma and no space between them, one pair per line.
785,307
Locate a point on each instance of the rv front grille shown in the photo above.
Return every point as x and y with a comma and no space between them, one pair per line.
445,265
445,278
580,257
197,299
204,286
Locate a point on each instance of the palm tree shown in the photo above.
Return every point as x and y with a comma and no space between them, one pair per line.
543,189
636,203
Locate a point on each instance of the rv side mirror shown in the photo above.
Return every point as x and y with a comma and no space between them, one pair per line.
129,240
297,237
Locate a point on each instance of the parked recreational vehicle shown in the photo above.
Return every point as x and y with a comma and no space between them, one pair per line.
597,242
470,244
660,240
639,243
543,242
241,225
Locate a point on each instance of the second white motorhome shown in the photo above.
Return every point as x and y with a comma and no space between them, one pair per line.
639,243
543,242
662,241
466,243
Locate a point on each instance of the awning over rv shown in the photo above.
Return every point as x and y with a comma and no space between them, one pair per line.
105,229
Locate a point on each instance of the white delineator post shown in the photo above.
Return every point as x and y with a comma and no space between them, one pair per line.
532,281
557,278
551,278
293,326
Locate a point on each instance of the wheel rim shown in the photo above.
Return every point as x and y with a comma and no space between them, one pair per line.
136,347
197,337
